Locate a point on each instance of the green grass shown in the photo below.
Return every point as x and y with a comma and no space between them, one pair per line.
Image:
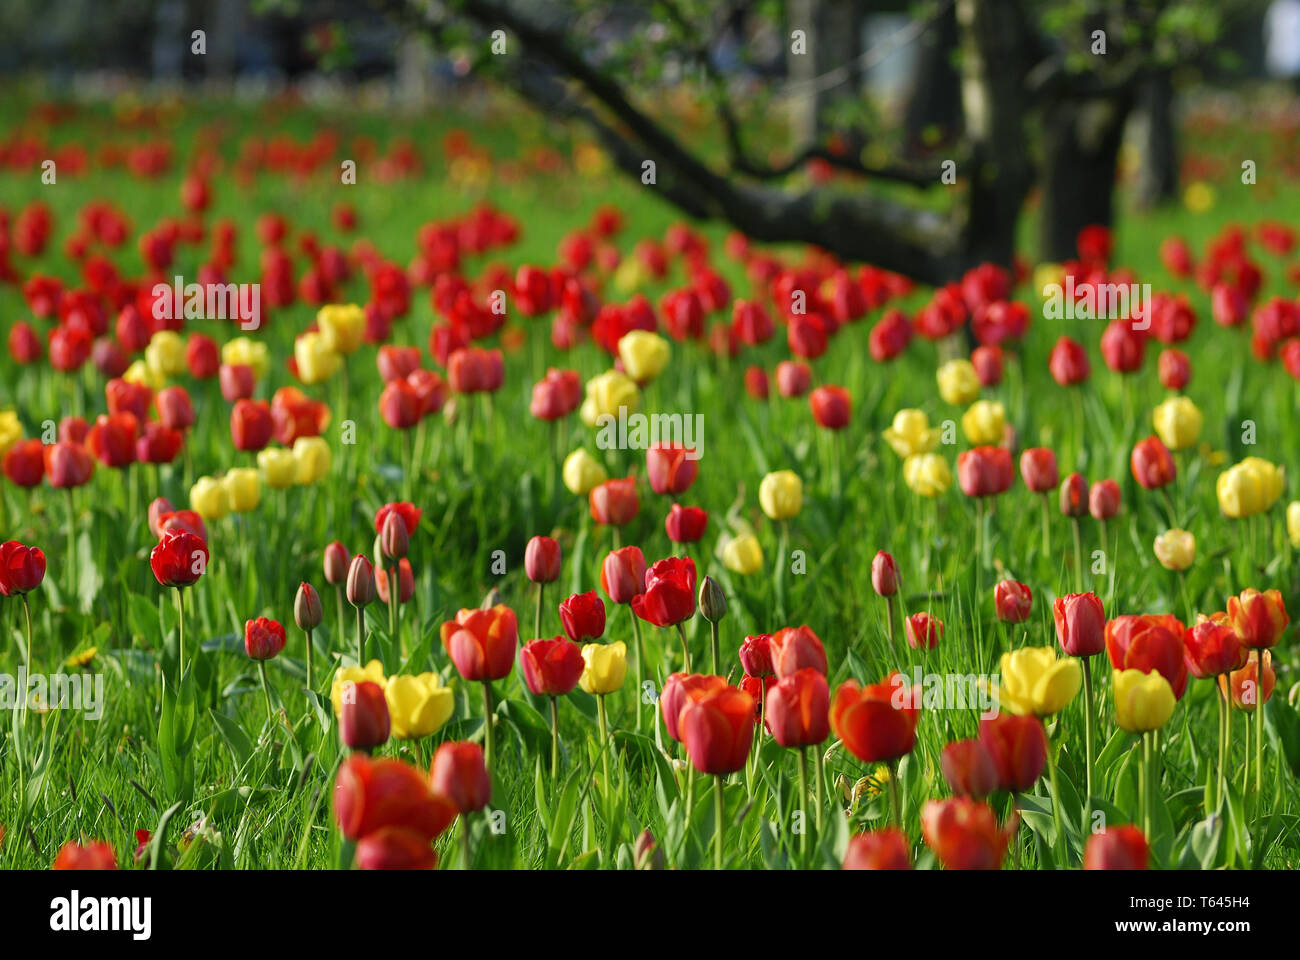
260,793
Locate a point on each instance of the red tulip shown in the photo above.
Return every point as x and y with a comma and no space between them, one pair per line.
542,560
1149,642
794,648
669,596
397,362
890,337
1122,347
923,631
883,849
337,561
405,582
1258,618
884,574
1080,624
622,574
179,559
1174,369
756,656
175,409
968,767
186,520
614,502
1038,469
756,382
1013,601
964,834
475,370
1211,648
583,617
877,723
360,587
373,795
263,638
24,346
552,667
22,568
1243,686
482,643
237,381
460,774
671,468
831,406
409,513
24,463
718,729
685,524
681,689
363,722
1069,362
399,405
112,439
1152,464
250,425
1117,848
798,709
158,444
202,357
984,471
68,465
122,396
1103,499
1074,496
1018,746
987,361
793,378
94,855
392,848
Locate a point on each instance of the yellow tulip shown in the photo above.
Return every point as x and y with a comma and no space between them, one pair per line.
372,671
209,498
279,468
606,667
1046,274
1198,197
316,360
911,433
241,351
165,354
1249,487
781,494
984,423
1293,522
644,354
343,326
959,384
141,372
606,394
1035,681
1178,423
742,554
1175,549
418,705
244,488
312,459
1143,701
927,474
582,472
11,431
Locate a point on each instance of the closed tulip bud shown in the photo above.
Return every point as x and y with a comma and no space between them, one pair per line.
927,475
798,709
794,648
364,722
984,423
1038,470
158,508
968,768
542,560
361,582
1018,746
911,434
1174,369
337,560
1249,488
622,574
582,473
884,574
583,616
685,524
984,471
1013,601
671,468
1035,681
959,384
606,394
644,354
780,494
1080,624
647,854
831,407
1258,618
394,540
756,655
179,559
718,730
1117,848
22,569
263,638
460,774
1293,523
1178,423
312,459
713,602
883,849
243,489
1175,549
742,554
669,596
1143,701
793,378
1151,463
964,834
307,612
606,667
1103,500
614,502
1074,496
552,667
923,631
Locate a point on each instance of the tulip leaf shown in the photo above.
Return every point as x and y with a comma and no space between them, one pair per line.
241,748
1283,723
1202,847
534,732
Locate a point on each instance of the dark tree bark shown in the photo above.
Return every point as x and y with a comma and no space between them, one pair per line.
1081,142
1158,171
933,114
834,32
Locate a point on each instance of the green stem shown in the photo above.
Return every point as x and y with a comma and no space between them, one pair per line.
537,616
1078,554
803,800
604,744
895,803
27,653
1062,851
686,651
1088,707
361,637
818,757
889,609
310,685
1047,528
555,739
487,724
266,689
180,648
719,810
640,667
1223,744
717,650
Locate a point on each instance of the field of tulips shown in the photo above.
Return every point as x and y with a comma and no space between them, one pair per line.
511,522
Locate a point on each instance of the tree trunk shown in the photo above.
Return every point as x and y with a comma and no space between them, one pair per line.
1081,145
834,36
933,114
1158,172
